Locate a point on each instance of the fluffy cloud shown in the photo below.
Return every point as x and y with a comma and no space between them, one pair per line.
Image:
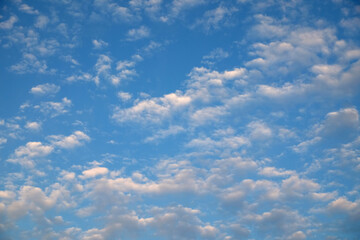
152,110
98,44
180,5
281,222
94,172
83,77
259,130
232,142
33,149
8,24
181,223
41,21
340,123
212,19
30,64
34,200
124,96
45,89
33,126
212,160
161,134
215,55
303,146
115,11
26,155
3,140
349,213
138,33
274,172
295,187
28,9
55,108
76,139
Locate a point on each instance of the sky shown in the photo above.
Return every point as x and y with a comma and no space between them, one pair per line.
179,119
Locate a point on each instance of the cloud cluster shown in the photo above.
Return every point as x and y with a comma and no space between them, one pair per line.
208,120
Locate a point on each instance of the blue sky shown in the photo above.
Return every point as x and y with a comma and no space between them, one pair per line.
181,119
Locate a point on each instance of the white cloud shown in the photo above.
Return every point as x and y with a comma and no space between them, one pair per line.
104,70
152,110
299,235
230,142
235,165
176,179
33,149
68,176
76,139
138,33
30,64
287,91
176,222
343,205
274,172
3,140
121,65
41,21
298,187
180,5
284,133
164,133
94,172
351,24
103,64
208,86
298,49
98,44
215,55
62,28
83,77
213,18
28,9
267,28
55,108
45,89
8,24
348,211
259,130
280,222
34,201
326,196
344,121
124,96
208,115
71,60
118,13
35,126
7,194
180,222
151,7
303,146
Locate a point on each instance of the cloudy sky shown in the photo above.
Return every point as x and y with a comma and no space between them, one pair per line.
181,119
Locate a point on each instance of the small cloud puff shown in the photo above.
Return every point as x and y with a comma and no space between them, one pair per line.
41,22
138,33
67,142
28,9
98,44
8,24
124,96
35,126
94,172
45,89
